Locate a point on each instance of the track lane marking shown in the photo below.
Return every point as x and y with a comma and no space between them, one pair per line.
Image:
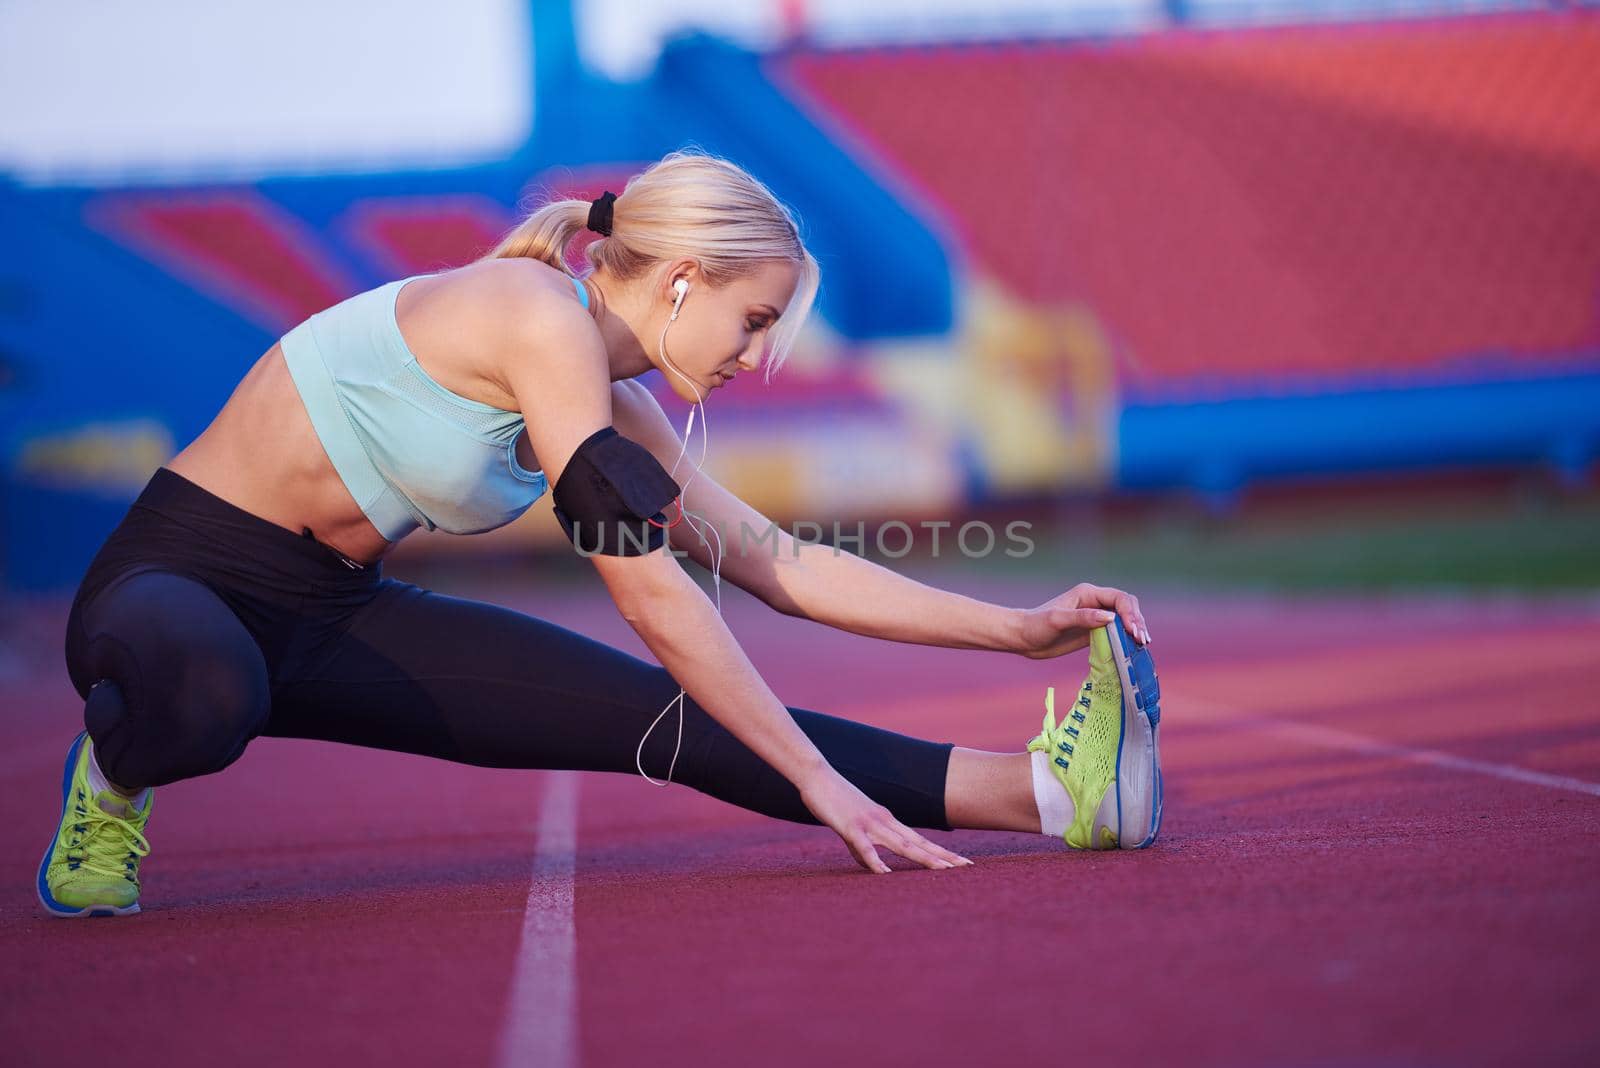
542,1008
1349,741
1177,709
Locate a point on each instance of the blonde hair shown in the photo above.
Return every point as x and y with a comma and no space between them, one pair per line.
689,204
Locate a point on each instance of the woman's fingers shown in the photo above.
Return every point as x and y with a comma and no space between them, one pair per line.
1084,619
1125,605
911,845
867,856
955,860
865,827
1132,618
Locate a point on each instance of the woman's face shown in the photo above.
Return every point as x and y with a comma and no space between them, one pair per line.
720,332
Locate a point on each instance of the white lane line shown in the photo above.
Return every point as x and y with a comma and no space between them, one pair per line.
1334,738
1338,739
542,1010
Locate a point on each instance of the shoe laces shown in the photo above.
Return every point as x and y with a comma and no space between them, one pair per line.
101,841
1061,742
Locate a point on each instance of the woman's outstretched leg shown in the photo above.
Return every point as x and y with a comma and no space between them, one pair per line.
425,673
990,791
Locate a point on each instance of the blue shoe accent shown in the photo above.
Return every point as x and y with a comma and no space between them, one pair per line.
55,907
1147,699
1142,668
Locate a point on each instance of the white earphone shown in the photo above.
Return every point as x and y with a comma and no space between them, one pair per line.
696,523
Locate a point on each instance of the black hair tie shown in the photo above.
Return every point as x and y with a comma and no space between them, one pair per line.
600,213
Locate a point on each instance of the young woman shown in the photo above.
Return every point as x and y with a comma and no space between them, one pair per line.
242,594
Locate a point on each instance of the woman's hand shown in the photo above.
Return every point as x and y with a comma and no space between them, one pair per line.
864,825
1062,624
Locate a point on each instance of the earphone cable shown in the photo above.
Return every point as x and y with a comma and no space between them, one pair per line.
695,522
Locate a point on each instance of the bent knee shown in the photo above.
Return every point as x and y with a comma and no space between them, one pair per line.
177,686
220,702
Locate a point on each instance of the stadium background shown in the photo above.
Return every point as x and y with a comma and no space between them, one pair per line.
1281,314
1074,256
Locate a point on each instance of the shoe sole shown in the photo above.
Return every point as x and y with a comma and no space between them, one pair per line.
1138,750
51,905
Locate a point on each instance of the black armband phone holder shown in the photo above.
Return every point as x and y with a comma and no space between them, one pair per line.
611,496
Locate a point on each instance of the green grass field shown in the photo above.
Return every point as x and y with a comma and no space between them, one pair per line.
1522,535
1516,533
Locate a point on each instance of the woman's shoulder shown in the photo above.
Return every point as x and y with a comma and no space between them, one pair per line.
517,299
513,279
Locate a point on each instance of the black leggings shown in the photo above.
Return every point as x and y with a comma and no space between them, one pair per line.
200,626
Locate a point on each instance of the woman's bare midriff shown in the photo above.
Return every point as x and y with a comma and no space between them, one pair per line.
262,454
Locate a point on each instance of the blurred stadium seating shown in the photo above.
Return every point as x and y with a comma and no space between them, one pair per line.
1065,247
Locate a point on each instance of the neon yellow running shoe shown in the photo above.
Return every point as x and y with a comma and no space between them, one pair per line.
92,867
1105,751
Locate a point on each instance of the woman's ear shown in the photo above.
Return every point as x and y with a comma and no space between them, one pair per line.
680,270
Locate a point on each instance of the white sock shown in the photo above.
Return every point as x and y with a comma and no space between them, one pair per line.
1055,806
98,783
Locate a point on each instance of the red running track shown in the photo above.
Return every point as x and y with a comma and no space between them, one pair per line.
1380,848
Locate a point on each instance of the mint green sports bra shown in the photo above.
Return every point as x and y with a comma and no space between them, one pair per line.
411,453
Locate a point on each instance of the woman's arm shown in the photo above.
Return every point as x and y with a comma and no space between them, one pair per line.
687,635
682,628
821,583
551,357
651,591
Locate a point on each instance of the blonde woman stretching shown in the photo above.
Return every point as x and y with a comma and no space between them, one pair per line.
242,594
